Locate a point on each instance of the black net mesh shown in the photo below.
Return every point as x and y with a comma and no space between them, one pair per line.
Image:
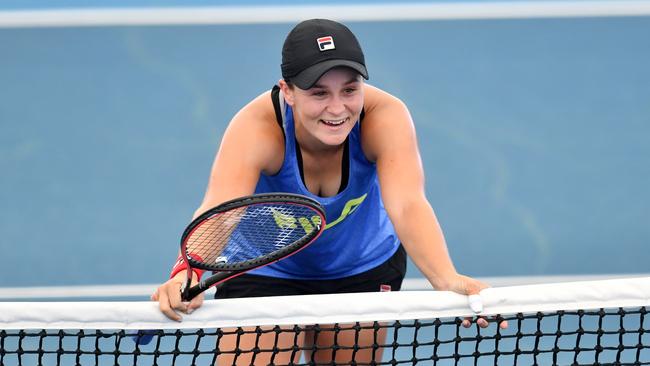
612,336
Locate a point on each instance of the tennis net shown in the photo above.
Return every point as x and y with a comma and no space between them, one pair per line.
578,323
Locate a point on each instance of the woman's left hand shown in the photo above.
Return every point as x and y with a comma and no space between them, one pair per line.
469,286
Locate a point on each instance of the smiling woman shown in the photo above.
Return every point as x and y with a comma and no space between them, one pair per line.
324,133
326,112
324,115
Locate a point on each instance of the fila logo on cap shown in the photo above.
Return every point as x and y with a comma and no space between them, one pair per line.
325,43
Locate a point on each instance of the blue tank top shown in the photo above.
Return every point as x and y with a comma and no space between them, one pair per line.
358,236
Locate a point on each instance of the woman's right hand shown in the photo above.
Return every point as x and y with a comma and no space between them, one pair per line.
169,299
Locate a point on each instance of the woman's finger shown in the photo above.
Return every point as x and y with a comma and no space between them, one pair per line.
483,322
166,308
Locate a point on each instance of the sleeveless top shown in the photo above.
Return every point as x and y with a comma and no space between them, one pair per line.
358,235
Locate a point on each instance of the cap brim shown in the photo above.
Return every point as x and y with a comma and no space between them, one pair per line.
308,77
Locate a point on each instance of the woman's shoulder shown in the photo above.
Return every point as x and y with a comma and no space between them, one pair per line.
378,100
255,127
261,107
258,115
384,111
387,122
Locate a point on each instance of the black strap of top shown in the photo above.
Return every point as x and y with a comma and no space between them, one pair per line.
275,97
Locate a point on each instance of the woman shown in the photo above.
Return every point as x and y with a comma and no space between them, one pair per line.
323,132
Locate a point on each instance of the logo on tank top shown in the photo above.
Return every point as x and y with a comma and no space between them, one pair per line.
308,224
325,43
349,208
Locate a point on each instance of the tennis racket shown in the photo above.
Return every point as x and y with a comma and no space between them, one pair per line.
247,233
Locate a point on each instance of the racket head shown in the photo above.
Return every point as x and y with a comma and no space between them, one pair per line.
252,231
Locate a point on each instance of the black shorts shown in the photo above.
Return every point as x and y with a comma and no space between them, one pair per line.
385,277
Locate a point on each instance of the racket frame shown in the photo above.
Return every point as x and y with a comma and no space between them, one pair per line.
225,271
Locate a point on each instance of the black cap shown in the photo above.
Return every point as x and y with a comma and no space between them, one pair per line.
315,46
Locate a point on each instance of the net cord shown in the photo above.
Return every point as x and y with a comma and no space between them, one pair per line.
323,309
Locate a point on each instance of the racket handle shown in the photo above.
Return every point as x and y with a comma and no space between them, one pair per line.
188,294
192,292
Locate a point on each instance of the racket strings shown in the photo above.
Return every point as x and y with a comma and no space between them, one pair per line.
251,232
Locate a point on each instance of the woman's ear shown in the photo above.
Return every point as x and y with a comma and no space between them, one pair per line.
287,92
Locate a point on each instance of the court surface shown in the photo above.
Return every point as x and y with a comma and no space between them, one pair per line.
532,132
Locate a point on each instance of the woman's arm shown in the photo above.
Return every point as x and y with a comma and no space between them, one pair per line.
252,144
389,139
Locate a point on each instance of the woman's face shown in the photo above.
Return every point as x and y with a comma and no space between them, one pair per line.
326,112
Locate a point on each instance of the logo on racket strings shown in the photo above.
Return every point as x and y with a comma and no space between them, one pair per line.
287,221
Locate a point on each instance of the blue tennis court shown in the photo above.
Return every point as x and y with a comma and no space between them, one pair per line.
532,132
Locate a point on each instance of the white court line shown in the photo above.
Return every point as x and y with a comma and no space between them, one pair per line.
96,17
144,290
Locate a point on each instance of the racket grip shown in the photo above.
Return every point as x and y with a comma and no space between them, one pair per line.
188,294
193,291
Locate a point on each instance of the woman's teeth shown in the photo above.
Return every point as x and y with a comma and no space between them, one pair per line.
334,122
